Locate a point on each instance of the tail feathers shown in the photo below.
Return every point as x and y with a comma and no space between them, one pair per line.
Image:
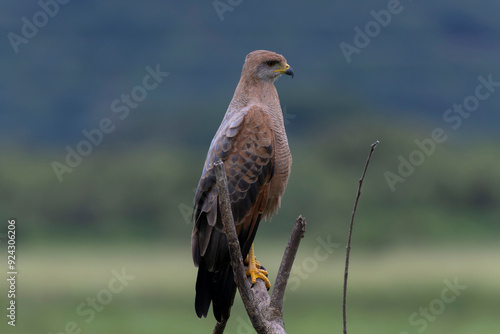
223,297
216,288
203,291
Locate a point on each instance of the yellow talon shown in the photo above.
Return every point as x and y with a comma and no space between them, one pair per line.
254,269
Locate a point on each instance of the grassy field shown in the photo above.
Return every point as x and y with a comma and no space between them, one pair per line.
393,291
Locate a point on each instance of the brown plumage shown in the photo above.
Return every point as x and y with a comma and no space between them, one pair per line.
252,142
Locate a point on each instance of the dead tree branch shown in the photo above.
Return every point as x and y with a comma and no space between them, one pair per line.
348,247
286,264
235,251
265,314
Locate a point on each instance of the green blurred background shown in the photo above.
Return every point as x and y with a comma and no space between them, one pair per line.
126,207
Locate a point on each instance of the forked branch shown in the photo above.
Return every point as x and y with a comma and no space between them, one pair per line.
264,313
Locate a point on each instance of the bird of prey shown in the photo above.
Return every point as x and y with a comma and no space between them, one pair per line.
252,143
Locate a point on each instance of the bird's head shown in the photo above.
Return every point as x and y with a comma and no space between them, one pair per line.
266,65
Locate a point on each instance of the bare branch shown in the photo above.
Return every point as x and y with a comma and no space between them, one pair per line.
348,247
287,263
266,316
235,251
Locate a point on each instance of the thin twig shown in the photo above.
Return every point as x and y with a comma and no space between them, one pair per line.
286,264
235,251
348,247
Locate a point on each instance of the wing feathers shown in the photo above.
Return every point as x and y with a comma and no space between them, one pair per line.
245,143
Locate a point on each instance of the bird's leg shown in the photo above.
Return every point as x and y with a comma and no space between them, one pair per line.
254,269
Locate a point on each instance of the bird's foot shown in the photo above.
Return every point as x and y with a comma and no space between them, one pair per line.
255,270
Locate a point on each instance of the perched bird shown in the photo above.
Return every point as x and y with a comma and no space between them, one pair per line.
252,143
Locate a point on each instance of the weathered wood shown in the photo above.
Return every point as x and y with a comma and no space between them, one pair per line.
264,312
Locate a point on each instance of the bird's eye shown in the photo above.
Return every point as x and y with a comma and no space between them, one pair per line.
271,63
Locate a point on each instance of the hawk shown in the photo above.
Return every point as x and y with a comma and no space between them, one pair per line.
252,143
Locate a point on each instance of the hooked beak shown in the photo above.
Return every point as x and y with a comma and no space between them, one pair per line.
287,70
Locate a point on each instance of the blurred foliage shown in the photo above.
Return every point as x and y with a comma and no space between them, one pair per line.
147,190
67,76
